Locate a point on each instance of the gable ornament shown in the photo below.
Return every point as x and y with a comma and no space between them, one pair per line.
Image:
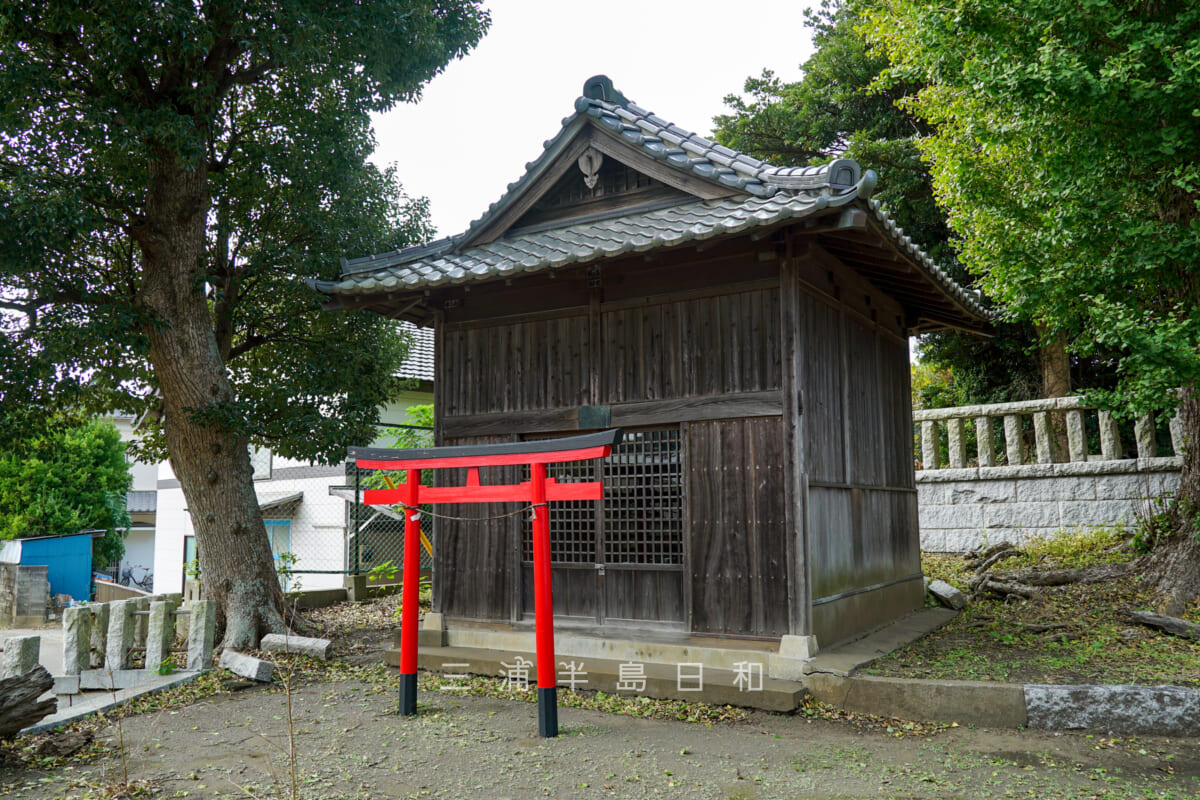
589,164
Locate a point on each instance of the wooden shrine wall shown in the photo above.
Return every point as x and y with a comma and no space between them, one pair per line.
696,342
863,541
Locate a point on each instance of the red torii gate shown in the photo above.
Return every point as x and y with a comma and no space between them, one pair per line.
538,491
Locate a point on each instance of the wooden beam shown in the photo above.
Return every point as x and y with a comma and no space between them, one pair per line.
635,414
799,593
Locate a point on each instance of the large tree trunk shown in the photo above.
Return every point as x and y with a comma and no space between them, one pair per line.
1054,363
1174,569
211,461
1055,367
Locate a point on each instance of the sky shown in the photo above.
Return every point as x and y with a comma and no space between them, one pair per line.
487,115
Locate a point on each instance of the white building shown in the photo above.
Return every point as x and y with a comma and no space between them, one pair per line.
303,519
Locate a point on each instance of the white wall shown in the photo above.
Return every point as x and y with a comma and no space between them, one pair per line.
139,553
961,509
10,552
171,525
145,476
318,528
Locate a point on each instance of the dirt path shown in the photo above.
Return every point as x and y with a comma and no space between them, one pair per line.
350,744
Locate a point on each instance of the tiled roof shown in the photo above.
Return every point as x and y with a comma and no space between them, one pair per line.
761,196
582,242
279,505
419,361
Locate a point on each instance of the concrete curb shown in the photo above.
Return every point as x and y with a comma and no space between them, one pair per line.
995,705
1116,709
1156,710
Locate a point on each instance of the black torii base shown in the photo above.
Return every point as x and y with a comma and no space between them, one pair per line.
548,712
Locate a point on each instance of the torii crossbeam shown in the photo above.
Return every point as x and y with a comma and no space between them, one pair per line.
538,491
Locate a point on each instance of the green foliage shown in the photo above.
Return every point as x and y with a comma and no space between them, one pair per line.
417,430
839,107
835,110
285,568
71,479
269,105
1075,548
1068,157
1154,525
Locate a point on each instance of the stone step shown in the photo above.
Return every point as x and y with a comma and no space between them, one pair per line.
751,688
719,654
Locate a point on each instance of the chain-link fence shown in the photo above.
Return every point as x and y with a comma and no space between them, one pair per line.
319,533
375,534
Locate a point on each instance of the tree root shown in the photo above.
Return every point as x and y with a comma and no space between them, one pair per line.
1062,577
987,583
1172,625
976,557
1005,551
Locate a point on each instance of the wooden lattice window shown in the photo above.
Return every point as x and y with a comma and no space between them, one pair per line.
641,521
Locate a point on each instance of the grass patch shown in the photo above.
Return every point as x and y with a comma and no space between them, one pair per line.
1069,634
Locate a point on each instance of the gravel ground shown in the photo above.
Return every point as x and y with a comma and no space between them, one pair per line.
349,743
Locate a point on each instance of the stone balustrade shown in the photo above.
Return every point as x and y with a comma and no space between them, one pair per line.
99,638
1030,486
1015,452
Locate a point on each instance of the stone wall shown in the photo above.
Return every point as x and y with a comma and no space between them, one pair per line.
963,508
24,595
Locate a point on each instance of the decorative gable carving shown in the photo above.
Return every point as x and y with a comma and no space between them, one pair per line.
601,184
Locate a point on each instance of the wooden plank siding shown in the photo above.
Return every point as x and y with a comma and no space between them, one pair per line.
697,341
736,476
475,563
862,500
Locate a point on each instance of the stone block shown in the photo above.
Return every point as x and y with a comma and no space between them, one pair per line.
1143,431
998,705
1048,490
1121,486
798,647
929,444
111,680
77,639
947,595
933,540
314,648
962,540
1076,437
933,494
1021,515
202,630
983,492
120,634
1150,710
956,434
1110,436
961,516
140,621
160,634
1041,430
99,644
1014,443
985,446
1163,484
20,655
247,666
66,684
1100,512
787,669
356,588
